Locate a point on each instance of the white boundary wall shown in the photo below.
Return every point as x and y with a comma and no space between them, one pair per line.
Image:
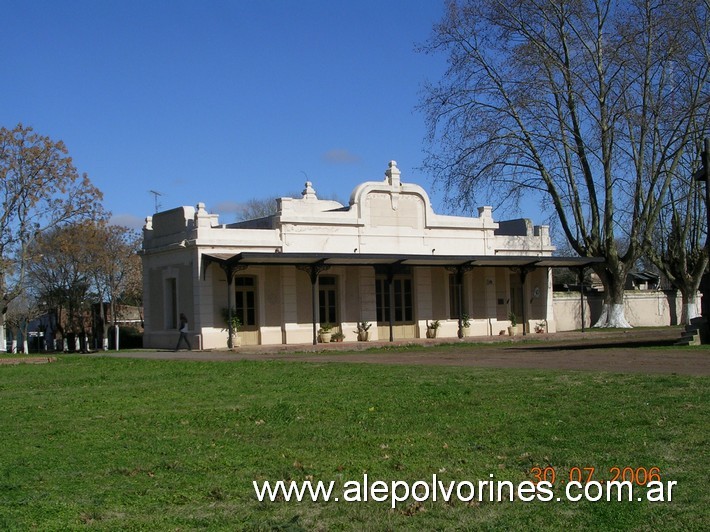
643,308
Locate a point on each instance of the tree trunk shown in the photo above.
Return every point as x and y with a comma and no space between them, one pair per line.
115,321
3,338
24,332
105,329
15,337
689,306
104,325
613,314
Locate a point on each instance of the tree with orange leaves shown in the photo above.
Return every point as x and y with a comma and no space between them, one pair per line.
40,189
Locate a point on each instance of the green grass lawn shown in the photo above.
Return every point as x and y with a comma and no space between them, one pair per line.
110,443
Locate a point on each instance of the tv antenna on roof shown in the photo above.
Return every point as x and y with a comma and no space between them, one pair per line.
155,195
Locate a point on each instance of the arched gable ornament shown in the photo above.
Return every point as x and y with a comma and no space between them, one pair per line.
393,178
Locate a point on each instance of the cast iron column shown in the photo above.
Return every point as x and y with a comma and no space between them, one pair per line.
313,270
581,293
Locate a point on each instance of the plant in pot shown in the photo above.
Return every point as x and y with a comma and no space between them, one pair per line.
325,332
233,338
465,324
431,328
513,329
541,327
362,331
337,337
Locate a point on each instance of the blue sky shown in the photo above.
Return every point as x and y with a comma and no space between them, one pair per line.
221,101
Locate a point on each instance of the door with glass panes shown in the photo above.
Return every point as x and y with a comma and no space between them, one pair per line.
246,310
401,308
328,299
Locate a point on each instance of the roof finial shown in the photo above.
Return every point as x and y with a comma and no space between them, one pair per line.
393,174
309,193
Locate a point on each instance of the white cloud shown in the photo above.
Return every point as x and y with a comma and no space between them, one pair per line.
127,220
227,207
340,156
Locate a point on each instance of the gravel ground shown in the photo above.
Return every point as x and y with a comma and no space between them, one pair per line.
631,351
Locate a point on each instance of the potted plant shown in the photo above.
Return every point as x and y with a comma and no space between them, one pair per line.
513,329
431,328
362,331
541,327
337,337
325,332
233,338
465,325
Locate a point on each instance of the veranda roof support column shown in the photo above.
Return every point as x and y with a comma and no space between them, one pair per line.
459,297
580,273
392,270
523,271
314,306
523,275
313,270
459,272
230,271
390,291
230,329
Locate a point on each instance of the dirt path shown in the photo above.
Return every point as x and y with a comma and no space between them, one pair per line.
27,360
635,351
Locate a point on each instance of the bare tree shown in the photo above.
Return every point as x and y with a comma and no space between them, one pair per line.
40,190
591,104
261,208
679,245
258,208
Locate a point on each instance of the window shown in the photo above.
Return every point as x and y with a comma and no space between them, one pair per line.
516,295
402,300
454,301
171,310
383,300
245,298
327,299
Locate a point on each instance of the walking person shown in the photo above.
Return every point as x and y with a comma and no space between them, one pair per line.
183,333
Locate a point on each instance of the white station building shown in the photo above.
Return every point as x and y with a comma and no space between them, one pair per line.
385,258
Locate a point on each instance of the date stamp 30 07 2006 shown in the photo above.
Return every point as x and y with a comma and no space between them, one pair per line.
584,475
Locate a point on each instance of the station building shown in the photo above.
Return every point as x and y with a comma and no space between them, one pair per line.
386,258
